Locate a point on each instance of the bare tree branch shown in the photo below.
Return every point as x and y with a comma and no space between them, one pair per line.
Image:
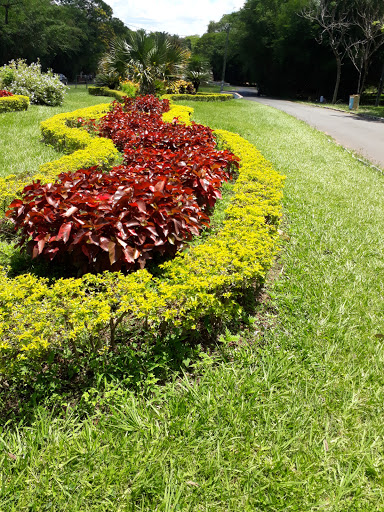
335,23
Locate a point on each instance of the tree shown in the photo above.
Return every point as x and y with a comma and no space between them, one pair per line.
7,5
36,30
366,38
211,47
198,70
334,20
146,58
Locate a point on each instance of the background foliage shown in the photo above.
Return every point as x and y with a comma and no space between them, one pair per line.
68,35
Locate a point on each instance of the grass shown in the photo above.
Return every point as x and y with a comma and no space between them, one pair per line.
214,88
20,138
366,110
285,415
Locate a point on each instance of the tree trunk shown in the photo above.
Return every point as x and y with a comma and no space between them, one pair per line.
6,7
380,89
363,78
359,83
338,77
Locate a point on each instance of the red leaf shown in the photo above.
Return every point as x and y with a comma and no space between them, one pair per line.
51,201
64,232
40,245
104,243
70,211
112,253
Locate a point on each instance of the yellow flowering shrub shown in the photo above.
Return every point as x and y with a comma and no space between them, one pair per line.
182,114
14,103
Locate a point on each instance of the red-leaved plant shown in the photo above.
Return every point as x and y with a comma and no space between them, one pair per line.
153,203
108,220
4,93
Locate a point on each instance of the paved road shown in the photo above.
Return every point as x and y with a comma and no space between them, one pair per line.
366,137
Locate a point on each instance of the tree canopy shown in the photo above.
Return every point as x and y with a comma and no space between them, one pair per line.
273,44
66,35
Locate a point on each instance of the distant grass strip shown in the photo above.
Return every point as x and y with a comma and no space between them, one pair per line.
364,110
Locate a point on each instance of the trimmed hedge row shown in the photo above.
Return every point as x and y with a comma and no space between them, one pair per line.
200,96
14,103
105,91
74,318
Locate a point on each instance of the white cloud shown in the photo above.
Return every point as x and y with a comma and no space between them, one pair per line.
183,17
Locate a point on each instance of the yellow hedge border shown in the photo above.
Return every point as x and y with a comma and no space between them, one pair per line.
206,280
14,103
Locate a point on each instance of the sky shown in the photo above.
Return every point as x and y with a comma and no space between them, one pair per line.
182,17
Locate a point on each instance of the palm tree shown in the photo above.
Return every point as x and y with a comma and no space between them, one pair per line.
145,58
198,70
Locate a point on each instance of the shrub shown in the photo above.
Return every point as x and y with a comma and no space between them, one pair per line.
151,204
4,93
108,80
59,132
108,220
7,76
138,128
104,91
200,96
41,88
128,123
130,88
180,87
179,114
96,90
13,103
87,151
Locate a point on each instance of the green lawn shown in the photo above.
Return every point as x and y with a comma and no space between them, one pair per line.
365,110
21,150
214,88
286,415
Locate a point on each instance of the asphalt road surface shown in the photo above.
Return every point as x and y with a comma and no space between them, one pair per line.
361,135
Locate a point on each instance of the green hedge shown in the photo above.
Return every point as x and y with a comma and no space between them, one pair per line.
14,103
104,91
200,96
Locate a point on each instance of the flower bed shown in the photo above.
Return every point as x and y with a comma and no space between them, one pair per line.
73,318
152,204
86,149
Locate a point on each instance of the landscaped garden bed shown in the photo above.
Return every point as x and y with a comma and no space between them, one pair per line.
283,413
76,318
